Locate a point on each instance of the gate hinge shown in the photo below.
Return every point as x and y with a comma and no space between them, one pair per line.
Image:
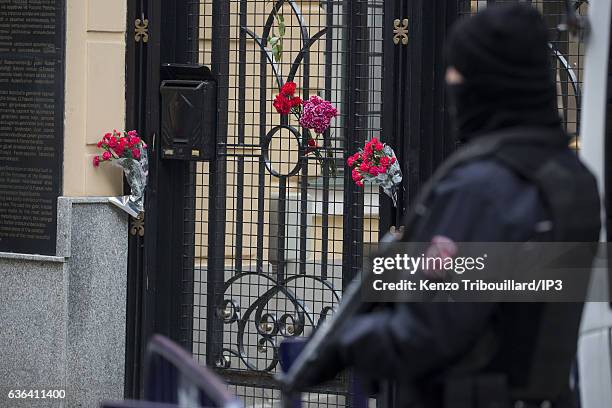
141,30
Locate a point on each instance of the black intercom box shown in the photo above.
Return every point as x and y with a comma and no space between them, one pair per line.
188,112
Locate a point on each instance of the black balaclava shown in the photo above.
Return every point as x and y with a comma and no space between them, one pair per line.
503,55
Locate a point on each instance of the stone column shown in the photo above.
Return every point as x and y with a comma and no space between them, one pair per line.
63,317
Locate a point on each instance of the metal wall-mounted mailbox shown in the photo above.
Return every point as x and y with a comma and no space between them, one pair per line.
188,112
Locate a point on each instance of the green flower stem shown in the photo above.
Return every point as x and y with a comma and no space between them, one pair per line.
330,162
276,41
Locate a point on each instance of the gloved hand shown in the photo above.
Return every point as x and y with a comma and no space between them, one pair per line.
356,342
327,364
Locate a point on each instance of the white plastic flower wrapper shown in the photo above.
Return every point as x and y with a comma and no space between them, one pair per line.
390,180
136,173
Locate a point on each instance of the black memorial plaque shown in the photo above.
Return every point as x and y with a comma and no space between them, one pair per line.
31,123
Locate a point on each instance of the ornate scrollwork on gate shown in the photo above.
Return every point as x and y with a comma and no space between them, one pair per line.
266,151
260,325
137,226
400,31
565,68
141,30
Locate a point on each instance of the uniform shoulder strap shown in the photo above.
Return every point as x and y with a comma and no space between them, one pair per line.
485,146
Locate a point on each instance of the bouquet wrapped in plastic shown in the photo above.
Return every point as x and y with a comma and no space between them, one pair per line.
376,163
128,151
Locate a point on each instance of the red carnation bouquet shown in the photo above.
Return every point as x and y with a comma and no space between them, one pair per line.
128,151
314,114
117,146
376,163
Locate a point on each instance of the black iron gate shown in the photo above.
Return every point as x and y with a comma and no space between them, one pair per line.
277,232
280,231
256,245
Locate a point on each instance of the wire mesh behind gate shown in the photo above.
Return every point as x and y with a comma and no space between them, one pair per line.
277,231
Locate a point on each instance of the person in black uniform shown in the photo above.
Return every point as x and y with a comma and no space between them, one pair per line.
513,179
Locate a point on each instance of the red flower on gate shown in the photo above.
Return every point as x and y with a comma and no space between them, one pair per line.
376,163
313,114
286,101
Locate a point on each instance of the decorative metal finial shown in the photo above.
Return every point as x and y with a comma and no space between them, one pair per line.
400,31
137,227
141,31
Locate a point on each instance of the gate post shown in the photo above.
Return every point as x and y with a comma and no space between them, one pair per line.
415,119
156,281
218,184
356,97
136,64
